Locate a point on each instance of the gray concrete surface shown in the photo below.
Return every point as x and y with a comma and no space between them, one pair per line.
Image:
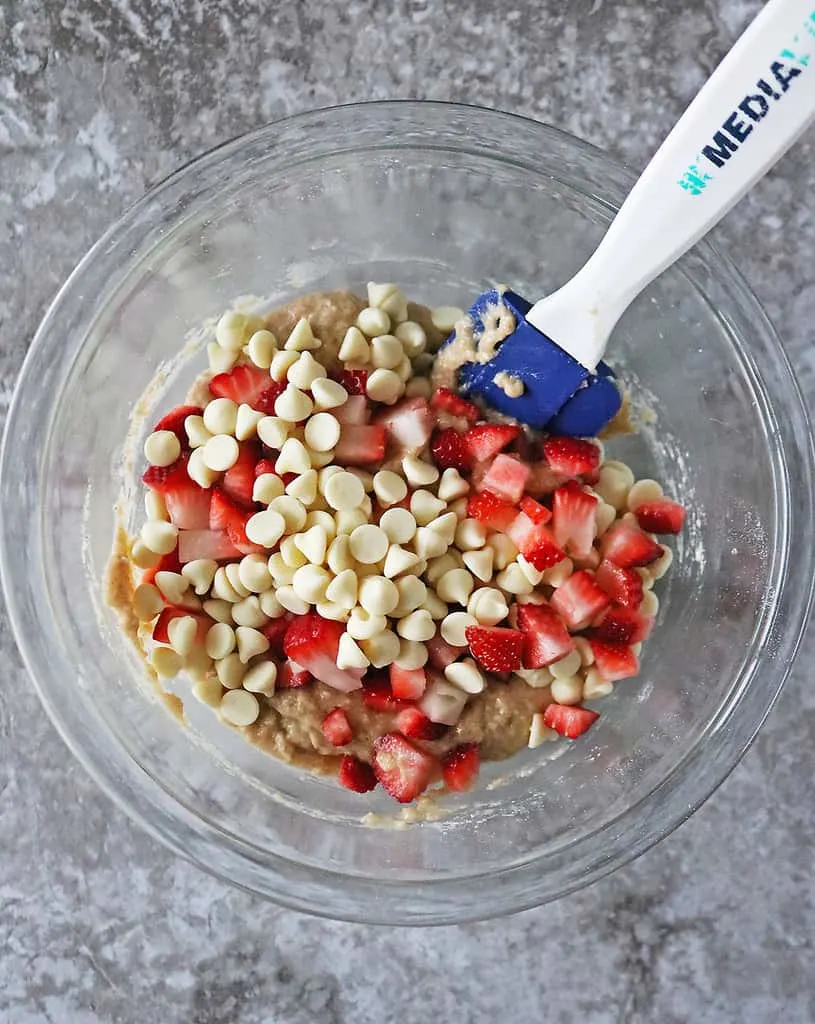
99,98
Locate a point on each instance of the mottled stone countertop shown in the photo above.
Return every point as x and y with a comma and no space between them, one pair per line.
101,98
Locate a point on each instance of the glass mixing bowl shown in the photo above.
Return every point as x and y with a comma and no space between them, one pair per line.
446,200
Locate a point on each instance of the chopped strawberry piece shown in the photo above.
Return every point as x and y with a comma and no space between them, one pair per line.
408,683
445,400
239,481
459,768
354,410
623,586
356,775
575,521
627,546
492,511
408,424
539,514
292,676
263,466
354,381
225,514
187,503
267,398
167,563
275,631
449,450
579,600
535,542
571,456
570,722
161,632
378,694
313,642
496,648
404,770
661,516
614,661
174,421
244,384
441,653
623,626
415,724
336,728
546,639
506,477
486,440
360,445
213,544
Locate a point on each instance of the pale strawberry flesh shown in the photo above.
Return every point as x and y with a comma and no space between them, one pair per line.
214,544
546,638
579,600
570,722
360,445
574,519
506,477
313,642
402,769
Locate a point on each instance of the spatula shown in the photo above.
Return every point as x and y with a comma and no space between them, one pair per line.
751,110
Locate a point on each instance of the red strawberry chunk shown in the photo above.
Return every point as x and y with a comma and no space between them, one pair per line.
292,676
571,456
445,400
575,521
415,724
336,728
239,481
492,511
506,477
623,586
174,421
360,445
546,639
570,722
267,398
408,683
225,514
378,694
354,410
459,768
161,631
624,626
535,542
403,770
486,440
356,775
539,514
614,660
244,384
354,381
263,466
275,631
408,424
661,516
187,503
579,600
442,654
629,547
167,563
496,648
313,642
213,544
449,450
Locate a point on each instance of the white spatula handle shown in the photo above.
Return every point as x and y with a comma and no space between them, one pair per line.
755,105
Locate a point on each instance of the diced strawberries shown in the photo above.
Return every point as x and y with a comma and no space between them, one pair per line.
408,683
354,410
629,547
213,544
506,477
486,440
492,511
459,768
403,770
535,542
539,514
624,626
449,450
661,516
240,479
546,639
571,456
174,421
360,445
354,381
442,654
497,648
267,398
244,384
408,424
336,728
579,600
570,722
275,631
167,563
614,661
356,775
161,629
445,400
187,503
415,724
378,694
263,466
292,676
225,514
623,586
574,515
313,642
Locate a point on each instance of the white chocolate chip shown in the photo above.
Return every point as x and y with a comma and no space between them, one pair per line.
200,572
321,518
445,527
233,574
373,322
198,664
386,352
198,471
650,604
266,528
568,690
209,692
220,360
159,536
162,448
343,589
246,422
445,317
480,563
362,625
412,595
261,348
267,487
261,678
172,585
147,602
291,600
437,567
455,587
301,338
293,457
459,507
253,572
556,575
270,605
413,338
453,627
310,583
293,405
182,632
604,515
528,569
223,589
471,534
566,666
426,507
354,349
390,298
505,550
328,394
642,492
398,561
322,432
220,641
230,671
249,613
293,512
378,595
442,702
154,506
417,625
281,361
165,661
382,648
412,655
349,654
595,687
384,386
220,453
616,480
466,675
250,642
313,544
658,568
419,473
488,605
230,331
537,678
219,610
221,416
540,733
513,580
369,544
291,553
305,371
389,487
273,431
428,544
399,524
343,491
339,556
240,708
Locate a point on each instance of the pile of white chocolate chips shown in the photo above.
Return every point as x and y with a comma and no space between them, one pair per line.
327,518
